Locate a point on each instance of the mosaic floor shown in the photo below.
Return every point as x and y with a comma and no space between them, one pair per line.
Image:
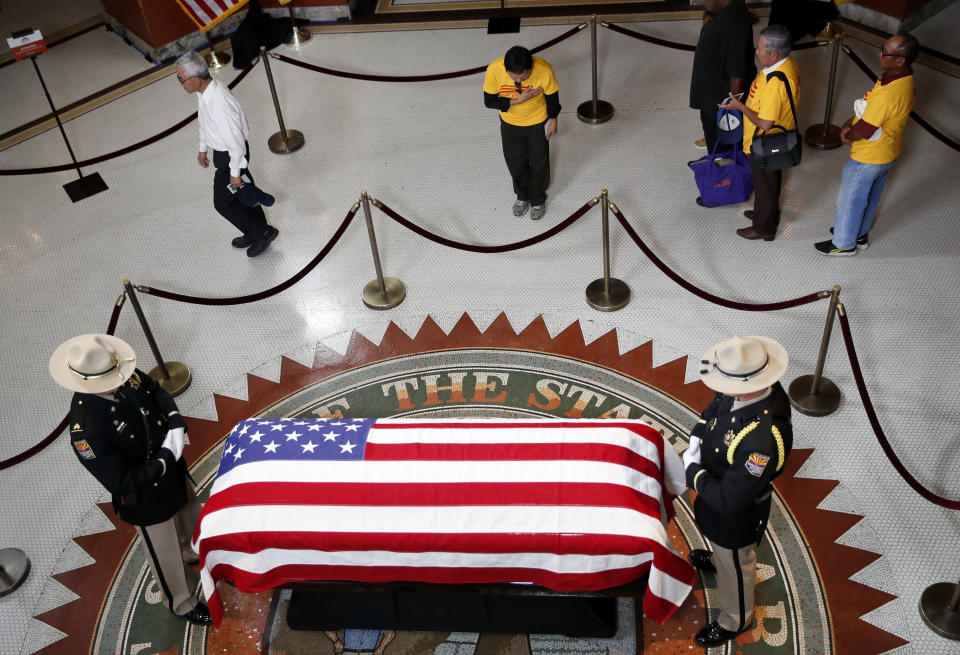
805,601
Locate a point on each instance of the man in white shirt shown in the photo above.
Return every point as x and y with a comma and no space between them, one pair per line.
223,128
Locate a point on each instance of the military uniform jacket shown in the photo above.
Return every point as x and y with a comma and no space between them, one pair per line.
119,442
741,452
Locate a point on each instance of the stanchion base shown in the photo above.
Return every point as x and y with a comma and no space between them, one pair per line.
85,187
503,25
820,404
394,295
16,567
815,137
280,146
179,378
603,114
618,297
217,60
935,610
298,36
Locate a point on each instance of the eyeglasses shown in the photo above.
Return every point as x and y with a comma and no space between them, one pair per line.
184,79
889,54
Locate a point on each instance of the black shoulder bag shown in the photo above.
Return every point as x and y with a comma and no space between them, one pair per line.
773,151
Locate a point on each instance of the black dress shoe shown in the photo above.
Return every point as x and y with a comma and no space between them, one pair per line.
199,615
713,635
700,201
261,244
701,560
242,241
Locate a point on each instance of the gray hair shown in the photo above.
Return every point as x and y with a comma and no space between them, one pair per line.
777,39
194,65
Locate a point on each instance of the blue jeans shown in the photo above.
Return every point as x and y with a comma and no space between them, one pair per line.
860,190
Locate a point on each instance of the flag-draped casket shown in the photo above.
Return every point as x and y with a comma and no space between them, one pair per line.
568,505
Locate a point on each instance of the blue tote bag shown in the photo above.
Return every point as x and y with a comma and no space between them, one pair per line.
723,178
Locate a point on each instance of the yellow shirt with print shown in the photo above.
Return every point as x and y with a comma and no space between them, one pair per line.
532,111
769,99
888,107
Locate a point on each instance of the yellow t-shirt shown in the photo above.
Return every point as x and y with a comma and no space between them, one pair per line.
888,107
769,100
532,111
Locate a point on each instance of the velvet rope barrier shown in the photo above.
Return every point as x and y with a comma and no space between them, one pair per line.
697,291
122,151
50,438
253,297
937,134
418,78
683,46
875,422
508,247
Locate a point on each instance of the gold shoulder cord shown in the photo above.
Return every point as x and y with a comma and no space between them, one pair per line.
747,430
781,458
732,448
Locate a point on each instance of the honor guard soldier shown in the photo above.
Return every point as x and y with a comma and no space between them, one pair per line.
739,445
127,432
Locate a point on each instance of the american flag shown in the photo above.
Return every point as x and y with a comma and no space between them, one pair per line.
207,13
568,505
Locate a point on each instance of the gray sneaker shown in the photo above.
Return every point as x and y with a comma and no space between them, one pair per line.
520,207
537,212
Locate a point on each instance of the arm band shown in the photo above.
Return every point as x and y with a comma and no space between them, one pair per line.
494,101
864,129
553,105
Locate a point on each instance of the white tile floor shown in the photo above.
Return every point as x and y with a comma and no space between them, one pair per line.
432,152
939,31
114,61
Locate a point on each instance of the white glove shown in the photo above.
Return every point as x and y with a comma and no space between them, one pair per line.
692,454
174,442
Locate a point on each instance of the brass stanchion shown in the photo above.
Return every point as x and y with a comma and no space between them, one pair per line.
285,141
215,60
174,377
593,110
297,35
815,395
14,568
940,609
384,292
607,294
824,136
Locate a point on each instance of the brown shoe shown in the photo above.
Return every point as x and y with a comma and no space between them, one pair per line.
748,214
752,233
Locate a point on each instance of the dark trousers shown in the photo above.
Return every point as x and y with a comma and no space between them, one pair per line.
249,220
708,118
527,153
766,198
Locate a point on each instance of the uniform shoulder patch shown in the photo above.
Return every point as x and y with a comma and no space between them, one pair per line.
756,463
84,449
76,428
